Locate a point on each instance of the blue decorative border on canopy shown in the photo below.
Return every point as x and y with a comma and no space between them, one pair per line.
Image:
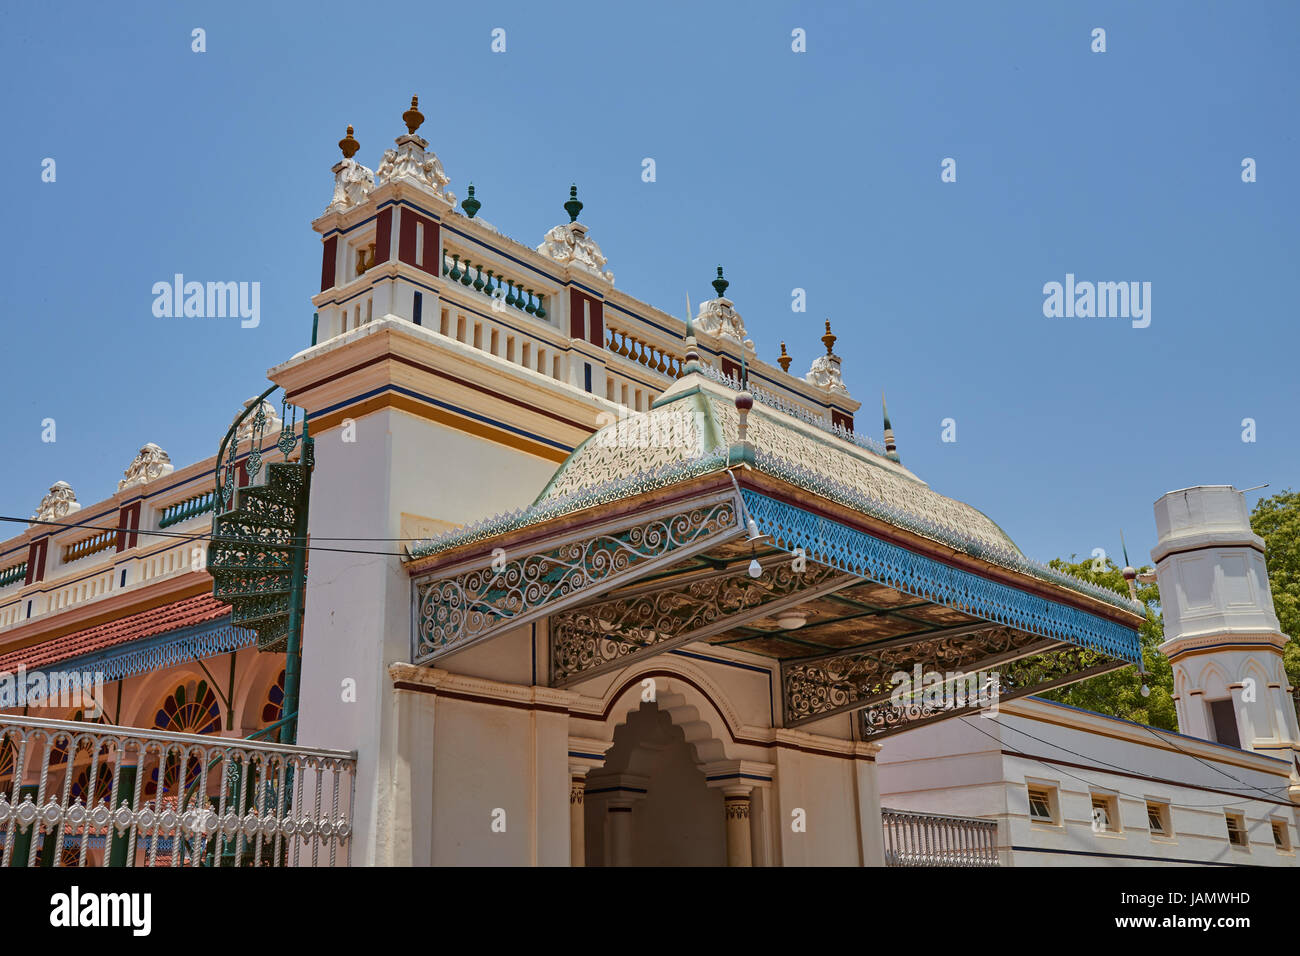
857,552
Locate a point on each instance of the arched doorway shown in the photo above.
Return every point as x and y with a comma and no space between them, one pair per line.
650,804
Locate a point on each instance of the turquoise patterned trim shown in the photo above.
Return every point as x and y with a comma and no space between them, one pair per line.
859,553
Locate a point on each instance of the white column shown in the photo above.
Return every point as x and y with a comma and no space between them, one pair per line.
618,832
735,801
577,819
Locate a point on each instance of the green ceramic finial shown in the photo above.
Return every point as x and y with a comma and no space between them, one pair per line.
720,284
573,207
885,411
470,204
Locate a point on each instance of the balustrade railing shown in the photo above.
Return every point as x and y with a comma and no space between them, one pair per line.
85,794
94,544
928,839
189,508
457,268
653,357
13,574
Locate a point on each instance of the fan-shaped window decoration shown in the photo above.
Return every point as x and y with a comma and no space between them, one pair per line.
71,855
190,709
8,754
273,709
59,753
103,786
172,777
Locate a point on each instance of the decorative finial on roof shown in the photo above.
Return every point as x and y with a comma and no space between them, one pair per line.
784,359
573,206
891,447
691,357
413,117
825,371
349,145
720,284
828,339
470,204
744,402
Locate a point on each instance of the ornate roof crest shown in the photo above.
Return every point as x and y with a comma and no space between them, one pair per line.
825,371
410,162
352,181
719,316
568,244
59,503
152,462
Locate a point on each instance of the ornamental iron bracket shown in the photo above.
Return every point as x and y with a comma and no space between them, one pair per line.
595,638
1020,678
495,591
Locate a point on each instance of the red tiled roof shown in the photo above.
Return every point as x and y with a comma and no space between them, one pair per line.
159,620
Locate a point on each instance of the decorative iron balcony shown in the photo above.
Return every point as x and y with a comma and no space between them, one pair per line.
928,839
86,794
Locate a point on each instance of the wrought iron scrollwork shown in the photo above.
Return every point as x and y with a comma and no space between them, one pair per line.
454,611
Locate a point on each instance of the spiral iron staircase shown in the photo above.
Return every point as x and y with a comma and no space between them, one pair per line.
257,554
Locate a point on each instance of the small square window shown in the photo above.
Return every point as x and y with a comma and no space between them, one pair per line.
1236,829
1281,838
1040,805
1158,818
1105,813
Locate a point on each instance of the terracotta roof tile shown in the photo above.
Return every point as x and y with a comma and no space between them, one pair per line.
134,627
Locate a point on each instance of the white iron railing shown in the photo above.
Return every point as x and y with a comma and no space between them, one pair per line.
85,794
928,839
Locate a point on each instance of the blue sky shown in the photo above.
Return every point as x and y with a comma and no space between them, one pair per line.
818,170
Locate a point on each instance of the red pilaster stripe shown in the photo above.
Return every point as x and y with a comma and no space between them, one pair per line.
329,256
383,234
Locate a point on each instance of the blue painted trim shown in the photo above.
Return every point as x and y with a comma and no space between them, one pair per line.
771,691
740,776
449,407
578,753
857,552
163,650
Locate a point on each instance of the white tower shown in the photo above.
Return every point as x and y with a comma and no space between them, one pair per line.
1221,634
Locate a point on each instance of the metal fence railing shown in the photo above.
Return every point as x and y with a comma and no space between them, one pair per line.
86,794
928,839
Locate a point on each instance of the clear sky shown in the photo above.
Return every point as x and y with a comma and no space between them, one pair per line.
817,170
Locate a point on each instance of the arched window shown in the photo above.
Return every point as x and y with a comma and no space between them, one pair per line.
190,709
273,709
103,786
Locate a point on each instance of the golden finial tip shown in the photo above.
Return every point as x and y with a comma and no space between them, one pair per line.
413,117
349,145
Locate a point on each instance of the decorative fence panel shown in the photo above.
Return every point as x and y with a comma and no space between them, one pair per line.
85,794
927,839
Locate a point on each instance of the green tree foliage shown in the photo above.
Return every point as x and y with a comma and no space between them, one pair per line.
1277,521
1119,693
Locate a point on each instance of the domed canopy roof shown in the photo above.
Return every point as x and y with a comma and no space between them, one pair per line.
691,427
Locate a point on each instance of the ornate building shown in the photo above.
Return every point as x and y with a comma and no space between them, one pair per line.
518,569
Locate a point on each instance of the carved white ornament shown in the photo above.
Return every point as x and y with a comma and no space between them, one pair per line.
59,503
719,317
272,421
568,244
352,184
411,163
152,462
825,373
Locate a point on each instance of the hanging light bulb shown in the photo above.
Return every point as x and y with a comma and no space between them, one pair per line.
755,569
1146,691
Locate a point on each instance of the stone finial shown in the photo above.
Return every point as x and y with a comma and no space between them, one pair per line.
825,371
59,503
352,181
413,117
349,145
719,316
573,206
784,359
470,204
151,462
412,162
